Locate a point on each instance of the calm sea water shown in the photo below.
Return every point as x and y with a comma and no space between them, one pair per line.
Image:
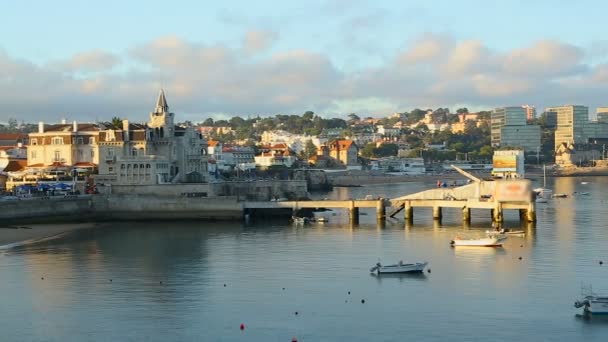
162,281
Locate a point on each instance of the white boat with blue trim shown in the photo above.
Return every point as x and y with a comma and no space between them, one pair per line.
399,267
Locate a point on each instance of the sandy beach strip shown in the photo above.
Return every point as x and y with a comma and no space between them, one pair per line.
17,235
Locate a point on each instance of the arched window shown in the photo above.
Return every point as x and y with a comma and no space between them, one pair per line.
134,152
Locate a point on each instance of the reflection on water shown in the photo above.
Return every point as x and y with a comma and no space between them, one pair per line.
200,280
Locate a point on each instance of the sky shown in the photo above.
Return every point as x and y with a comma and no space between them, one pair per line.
92,60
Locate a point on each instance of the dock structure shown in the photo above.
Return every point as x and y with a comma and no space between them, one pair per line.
494,195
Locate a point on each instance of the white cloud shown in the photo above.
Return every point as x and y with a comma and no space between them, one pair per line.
435,70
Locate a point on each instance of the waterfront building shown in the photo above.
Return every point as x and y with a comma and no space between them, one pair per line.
509,127
570,123
63,146
157,152
344,152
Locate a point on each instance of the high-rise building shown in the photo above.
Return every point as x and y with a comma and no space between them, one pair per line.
530,112
571,122
509,127
602,114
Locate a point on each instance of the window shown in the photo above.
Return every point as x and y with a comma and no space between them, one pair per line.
134,152
34,141
122,166
91,140
80,154
111,169
92,154
57,156
33,155
79,140
57,141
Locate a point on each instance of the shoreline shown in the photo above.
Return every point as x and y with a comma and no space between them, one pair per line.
19,235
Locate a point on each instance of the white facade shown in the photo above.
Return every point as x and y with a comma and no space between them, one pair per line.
295,142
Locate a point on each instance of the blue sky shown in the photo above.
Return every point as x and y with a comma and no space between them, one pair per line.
93,60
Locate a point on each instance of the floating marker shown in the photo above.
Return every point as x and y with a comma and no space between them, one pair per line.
601,262
242,326
362,301
296,313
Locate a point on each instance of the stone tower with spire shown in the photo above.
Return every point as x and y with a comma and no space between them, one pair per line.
161,120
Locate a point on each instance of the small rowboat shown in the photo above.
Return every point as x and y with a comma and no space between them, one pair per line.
484,242
400,267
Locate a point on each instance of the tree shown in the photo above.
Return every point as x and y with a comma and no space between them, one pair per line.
236,122
310,149
386,150
116,122
12,124
308,115
463,110
368,150
208,122
353,118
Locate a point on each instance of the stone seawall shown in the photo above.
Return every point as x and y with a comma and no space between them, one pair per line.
123,207
150,207
80,207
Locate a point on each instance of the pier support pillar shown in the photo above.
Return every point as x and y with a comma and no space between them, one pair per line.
466,215
380,210
531,212
408,211
437,213
353,213
497,213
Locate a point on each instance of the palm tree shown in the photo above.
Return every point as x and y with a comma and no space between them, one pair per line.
116,122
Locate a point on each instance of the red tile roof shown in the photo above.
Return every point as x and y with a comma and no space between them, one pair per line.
15,165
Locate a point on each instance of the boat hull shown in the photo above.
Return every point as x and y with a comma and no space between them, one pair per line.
489,242
401,268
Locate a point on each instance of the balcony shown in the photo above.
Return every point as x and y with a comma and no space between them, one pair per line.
110,159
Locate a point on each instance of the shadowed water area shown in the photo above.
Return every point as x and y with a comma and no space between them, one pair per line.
165,281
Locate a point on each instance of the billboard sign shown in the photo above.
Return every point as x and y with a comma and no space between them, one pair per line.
504,163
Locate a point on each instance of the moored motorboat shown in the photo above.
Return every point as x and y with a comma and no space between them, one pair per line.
321,219
299,220
399,267
559,195
483,242
592,303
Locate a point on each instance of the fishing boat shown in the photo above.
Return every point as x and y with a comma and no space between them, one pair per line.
592,303
483,242
399,267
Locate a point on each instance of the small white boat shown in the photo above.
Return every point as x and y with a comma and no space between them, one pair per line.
592,303
400,267
321,219
559,195
483,242
584,183
298,220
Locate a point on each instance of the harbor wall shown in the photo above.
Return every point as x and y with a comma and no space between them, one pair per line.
77,207
123,207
